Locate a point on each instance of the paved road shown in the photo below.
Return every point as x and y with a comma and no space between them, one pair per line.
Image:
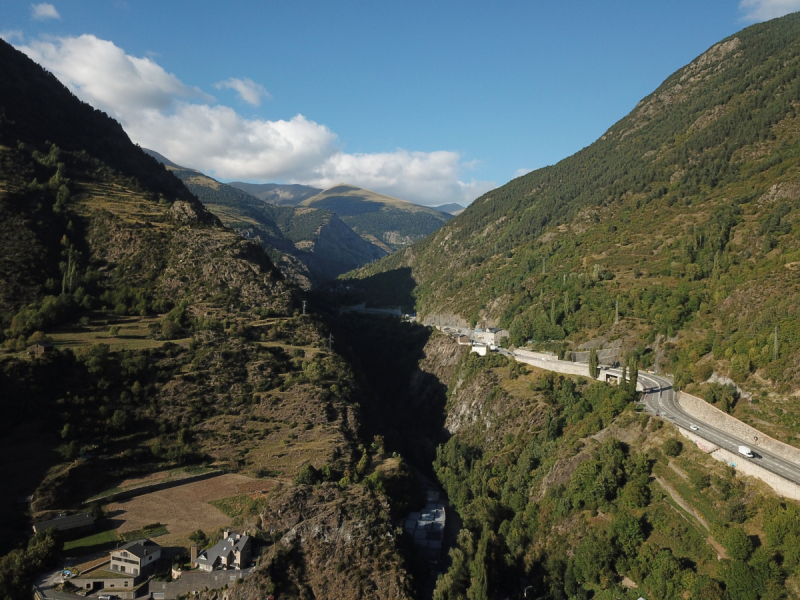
659,397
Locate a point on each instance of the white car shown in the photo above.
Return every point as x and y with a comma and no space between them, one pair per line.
694,427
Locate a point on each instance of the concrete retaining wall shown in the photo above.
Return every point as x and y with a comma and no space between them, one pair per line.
538,355
782,487
558,366
606,357
703,411
154,487
196,581
704,445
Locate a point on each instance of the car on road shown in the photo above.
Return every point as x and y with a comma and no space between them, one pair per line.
694,427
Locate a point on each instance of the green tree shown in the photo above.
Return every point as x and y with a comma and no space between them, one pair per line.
738,544
199,538
593,365
672,447
308,475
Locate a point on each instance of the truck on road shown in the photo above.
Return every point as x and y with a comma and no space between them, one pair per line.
745,451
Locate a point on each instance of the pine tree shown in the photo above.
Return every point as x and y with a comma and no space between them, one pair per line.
593,370
633,369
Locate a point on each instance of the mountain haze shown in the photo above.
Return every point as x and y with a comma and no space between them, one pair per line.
387,222
276,193
451,209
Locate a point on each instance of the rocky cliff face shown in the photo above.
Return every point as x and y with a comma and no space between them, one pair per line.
329,543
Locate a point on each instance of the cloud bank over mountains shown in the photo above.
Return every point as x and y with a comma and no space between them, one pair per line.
188,126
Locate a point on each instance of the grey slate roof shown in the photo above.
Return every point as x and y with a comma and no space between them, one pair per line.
139,548
222,548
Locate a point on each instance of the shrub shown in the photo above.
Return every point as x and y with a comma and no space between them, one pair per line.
308,475
672,447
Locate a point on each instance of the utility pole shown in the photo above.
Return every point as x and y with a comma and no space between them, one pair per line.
330,342
775,345
304,307
544,272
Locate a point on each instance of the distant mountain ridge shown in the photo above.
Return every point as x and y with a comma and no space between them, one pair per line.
309,245
388,222
451,209
277,193
164,160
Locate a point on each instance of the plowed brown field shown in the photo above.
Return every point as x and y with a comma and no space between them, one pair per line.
182,509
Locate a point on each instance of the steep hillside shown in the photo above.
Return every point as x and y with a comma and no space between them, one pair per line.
566,491
166,342
385,221
685,213
276,193
310,245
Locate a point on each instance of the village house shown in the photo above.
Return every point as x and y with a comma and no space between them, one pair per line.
135,557
231,552
491,335
40,348
122,572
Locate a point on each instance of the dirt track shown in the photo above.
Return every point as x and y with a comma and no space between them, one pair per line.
182,509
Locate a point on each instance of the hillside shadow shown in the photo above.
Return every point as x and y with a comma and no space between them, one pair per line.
393,288
402,403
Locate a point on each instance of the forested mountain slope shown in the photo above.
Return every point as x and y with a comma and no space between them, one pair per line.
685,212
167,342
388,222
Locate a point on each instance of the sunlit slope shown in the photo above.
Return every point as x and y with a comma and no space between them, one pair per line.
684,212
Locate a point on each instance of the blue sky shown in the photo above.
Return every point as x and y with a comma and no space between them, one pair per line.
433,102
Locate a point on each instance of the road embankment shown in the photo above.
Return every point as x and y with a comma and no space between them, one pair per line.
755,439
782,486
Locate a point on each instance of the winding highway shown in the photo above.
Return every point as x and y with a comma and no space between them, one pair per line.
659,398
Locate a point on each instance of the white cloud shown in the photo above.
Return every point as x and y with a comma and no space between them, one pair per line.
104,76
184,124
521,172
11,35
248,90
43,11
763,10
